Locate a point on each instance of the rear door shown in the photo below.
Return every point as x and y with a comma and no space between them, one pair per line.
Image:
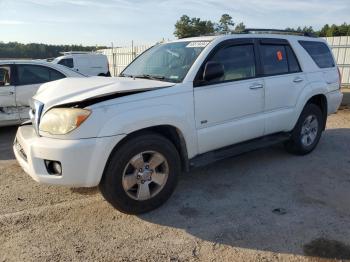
230,110
284,81
82,64
29,79
8,108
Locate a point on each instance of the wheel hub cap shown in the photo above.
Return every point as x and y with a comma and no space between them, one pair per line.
309,130
145,175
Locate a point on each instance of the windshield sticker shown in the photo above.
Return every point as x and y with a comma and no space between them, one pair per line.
197,44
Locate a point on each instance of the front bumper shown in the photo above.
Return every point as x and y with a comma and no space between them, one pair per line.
83,161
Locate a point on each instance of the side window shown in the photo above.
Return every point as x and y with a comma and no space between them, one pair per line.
274,59
55,75
32,74
68,62
292,61
319,52
238,62
5,75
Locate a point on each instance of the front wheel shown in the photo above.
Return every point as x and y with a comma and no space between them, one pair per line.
307,132
141,174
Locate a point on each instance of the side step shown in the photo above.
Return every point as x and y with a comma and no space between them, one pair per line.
237,149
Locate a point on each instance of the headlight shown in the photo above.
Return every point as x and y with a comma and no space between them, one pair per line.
60,121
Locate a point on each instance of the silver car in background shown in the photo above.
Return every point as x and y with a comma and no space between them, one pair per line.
19,81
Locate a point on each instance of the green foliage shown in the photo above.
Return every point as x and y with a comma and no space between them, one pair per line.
240,27
326,30
187,27
225,25
38,51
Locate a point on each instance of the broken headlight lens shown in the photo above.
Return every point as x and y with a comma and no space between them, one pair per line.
60,121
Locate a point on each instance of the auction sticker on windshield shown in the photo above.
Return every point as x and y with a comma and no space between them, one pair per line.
198,44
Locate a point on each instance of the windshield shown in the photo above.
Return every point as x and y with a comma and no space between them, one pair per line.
166,62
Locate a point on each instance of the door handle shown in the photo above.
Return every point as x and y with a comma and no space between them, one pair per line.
256,86
298,80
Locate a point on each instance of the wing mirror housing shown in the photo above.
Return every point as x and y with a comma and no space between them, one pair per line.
213,70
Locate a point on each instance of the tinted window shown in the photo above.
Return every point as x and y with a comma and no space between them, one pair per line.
238,62
319,52
33,74
68,62
292,61
5,75
274,59
55,75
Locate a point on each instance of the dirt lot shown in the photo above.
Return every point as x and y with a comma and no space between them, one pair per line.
261,206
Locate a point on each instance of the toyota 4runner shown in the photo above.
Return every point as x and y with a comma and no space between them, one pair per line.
179,105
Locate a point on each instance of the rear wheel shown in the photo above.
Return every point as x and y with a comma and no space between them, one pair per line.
307,132
141,175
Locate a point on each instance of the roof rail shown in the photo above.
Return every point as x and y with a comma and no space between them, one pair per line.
276,31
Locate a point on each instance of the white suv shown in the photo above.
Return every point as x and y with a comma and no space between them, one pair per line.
177,106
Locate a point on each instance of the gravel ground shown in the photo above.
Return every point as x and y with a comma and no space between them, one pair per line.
262,206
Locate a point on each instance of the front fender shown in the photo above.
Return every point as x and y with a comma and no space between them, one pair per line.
129,121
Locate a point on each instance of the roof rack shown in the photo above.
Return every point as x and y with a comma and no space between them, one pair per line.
276,31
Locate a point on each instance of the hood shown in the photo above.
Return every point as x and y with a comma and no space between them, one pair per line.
72,90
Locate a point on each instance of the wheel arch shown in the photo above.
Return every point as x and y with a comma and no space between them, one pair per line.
320,100
315,93
170,132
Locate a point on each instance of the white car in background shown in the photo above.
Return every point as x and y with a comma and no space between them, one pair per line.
19,81
87,63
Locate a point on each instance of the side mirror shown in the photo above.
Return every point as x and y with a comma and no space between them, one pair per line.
213,70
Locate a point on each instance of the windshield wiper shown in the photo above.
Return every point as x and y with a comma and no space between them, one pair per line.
145,76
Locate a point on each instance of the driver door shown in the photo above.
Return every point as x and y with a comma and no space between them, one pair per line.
8,108
230,109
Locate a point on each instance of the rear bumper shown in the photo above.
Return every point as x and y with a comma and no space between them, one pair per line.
82,160
334,100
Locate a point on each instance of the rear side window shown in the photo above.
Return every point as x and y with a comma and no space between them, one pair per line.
238,62
319,52
68,62
278,59
274,59
55,75
34,74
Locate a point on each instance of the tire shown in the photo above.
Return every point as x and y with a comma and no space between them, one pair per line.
303,138
123,169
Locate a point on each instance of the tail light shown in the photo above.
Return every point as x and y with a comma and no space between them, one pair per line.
340,77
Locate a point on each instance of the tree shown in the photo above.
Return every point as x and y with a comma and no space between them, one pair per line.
37,51
225,25
187,27
324,30
240,27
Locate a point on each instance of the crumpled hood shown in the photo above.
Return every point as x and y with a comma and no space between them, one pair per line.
70,90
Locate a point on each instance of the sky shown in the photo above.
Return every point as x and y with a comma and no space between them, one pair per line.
101,22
